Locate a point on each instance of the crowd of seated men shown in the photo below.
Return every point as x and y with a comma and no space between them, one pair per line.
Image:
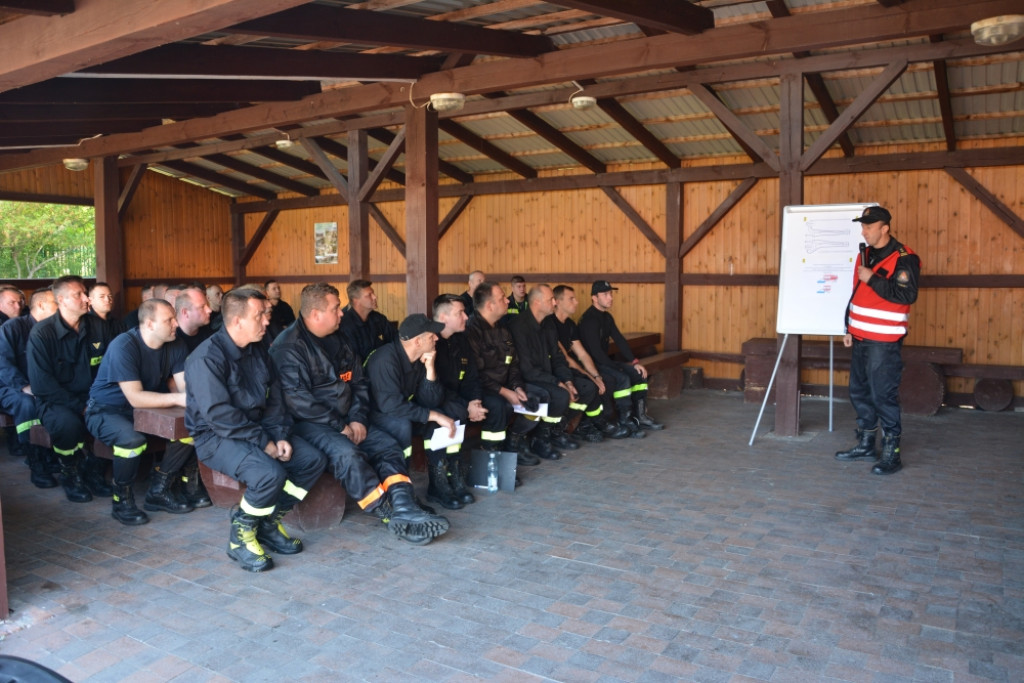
274,396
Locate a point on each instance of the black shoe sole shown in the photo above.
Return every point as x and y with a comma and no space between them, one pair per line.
853,458
446,504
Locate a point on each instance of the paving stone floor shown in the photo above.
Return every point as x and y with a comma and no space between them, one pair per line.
685,556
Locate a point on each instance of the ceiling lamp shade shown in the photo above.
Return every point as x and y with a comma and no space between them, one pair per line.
582,101
447,101
76,164
1000,30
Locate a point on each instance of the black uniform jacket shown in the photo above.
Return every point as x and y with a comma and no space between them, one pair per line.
540,359
400,388
496,357
14,352
596,327
62,363
234,393
456,368
328,389
365,336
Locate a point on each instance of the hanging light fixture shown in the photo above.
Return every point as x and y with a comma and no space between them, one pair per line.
76,164
996,31
581,102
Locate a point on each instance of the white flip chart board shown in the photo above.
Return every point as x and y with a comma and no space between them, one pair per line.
819,251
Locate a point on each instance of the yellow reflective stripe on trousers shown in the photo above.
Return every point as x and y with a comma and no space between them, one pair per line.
454,448
408,451
395,479
248,508
294,491
595,412
426,446
639,387
26,425
553,420
122,452
622,393
577,406
371,497
492,436
188,440
60,451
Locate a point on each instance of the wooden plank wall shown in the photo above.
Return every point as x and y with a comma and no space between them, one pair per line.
49,180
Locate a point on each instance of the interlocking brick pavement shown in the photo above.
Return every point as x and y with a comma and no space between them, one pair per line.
685,556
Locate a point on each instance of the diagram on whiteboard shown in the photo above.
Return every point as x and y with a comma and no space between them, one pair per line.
819,249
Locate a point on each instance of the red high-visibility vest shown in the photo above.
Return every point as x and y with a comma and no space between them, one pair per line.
871,316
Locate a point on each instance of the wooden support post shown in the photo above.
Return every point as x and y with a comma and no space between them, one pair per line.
358,216
109,235
673,266
421,210
237,247
791,193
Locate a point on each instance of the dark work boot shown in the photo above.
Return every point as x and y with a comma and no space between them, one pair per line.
629,422
439,490
457,480
645,420
587,430
558,438
519,444
39,467
94,475
123,505
611,430
162,496
71,479
409,521
865,448
270,532
890,462
541,445
192,488
243,546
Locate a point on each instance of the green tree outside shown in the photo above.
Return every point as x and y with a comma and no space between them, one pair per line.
46,240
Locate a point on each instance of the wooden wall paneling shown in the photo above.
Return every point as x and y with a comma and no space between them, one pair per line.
50,180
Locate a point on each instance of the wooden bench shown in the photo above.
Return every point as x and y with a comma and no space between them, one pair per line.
922,388
6,420
665,373
640,343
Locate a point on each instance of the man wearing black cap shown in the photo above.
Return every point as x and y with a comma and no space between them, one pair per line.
629,379
884,287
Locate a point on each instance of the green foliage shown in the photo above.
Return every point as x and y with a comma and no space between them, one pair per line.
46,240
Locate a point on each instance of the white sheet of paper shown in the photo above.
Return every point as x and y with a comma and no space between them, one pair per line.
440,438
542,410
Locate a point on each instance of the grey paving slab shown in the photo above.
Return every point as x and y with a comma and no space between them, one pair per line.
685,556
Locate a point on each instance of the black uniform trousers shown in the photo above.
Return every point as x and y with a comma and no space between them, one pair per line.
875,371
624,384
589,395
66,427
22,407
269,483
365,470
117,430
456,408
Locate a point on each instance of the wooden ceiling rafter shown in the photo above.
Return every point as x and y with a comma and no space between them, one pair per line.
71,92
672,17
940,70
321,23
486,147
46,8
216,178
447,168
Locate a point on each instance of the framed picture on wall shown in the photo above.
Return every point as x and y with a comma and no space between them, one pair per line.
325,240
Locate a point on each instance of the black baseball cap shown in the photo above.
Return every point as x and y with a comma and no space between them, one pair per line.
601,286
417,324
874,214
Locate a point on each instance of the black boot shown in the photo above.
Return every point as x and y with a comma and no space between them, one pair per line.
587,431
610,429
94,475
890,462
645,420
410,522
40,470
71,479
192,488
558,438
541,445
162,496
243,546
457,480
865,448
629,422
439,490
270,532
519,444
123,505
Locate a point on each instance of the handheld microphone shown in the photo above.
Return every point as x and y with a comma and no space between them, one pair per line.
863,254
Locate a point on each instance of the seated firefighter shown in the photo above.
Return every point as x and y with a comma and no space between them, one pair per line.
328,396
136,373
64,355
237,416
16,396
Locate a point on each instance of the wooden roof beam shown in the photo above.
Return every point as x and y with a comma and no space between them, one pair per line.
37,48
340,150
945,97
554,136
487,148
73,91
446,167
12,113
222,61
284,182
332,24
619,115
752,142
672,16
39,7
216,178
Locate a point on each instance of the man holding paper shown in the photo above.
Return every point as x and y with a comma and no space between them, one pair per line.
328,395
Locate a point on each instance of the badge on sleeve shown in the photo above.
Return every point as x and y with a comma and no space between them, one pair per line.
903,277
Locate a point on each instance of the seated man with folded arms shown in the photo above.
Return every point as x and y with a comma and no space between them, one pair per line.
363,327
64,355
16,396
236,413
328,396
136,373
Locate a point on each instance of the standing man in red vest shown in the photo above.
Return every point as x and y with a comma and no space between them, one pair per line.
884,287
